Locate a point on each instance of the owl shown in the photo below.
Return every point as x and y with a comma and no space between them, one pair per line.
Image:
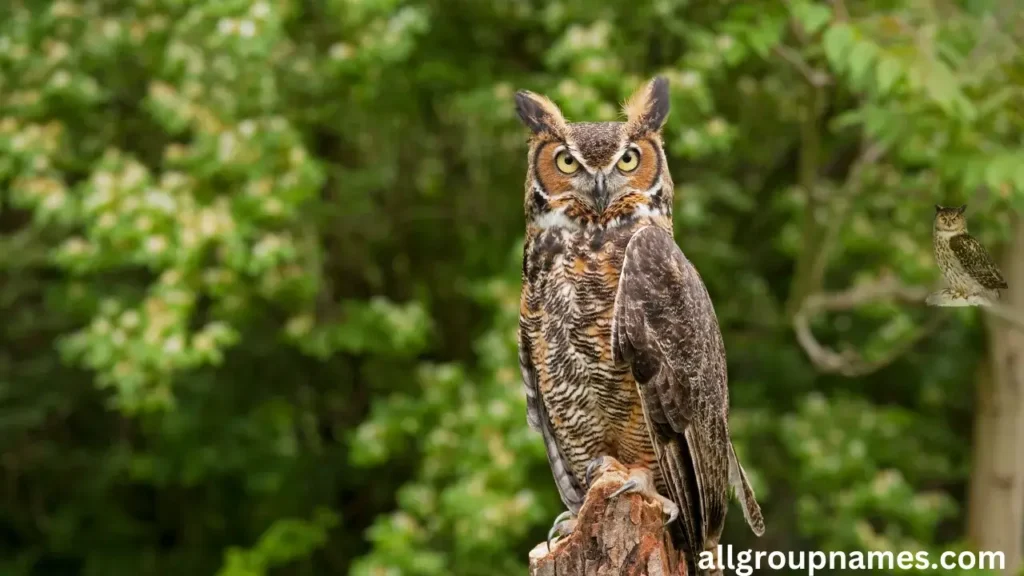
965,264
621,353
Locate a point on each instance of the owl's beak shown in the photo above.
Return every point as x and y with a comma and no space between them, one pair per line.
600,192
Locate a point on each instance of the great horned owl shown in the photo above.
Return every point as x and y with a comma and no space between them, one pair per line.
965,264
620,349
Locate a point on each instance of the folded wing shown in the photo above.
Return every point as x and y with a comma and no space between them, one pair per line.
665,327
976,261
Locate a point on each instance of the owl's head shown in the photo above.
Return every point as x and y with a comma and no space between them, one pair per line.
950,219
597,173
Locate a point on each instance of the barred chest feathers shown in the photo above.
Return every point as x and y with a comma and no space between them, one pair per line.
572,277
953,271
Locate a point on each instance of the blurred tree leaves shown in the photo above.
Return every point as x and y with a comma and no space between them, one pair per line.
284,541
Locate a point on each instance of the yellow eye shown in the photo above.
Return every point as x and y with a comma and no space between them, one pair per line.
566,163
629,161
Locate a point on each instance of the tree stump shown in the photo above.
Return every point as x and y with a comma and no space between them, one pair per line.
624,535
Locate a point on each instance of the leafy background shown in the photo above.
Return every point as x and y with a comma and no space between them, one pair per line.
259,267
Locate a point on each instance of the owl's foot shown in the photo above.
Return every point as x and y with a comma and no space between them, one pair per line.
949,297
563,526
641,480
565,522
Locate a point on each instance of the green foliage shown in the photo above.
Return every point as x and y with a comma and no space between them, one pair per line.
468,499
857,454
285,541
258,313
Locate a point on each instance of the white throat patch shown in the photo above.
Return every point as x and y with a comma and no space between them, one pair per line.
556,219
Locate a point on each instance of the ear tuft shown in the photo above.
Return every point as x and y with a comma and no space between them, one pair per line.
648,107
938,208
961,209
538,113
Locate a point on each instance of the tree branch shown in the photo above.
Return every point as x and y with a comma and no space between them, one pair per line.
1005,314
889,288
815,77
807,168
820,228
621,535
870,154
850,363
840,11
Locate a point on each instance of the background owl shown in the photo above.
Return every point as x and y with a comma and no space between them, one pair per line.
965,264
619,345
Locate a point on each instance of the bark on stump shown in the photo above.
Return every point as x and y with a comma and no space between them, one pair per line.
624,535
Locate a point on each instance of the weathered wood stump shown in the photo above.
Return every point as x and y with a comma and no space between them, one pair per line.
624,535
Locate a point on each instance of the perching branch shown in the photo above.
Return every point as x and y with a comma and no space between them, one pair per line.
1002,312
1005,314
850,363
621,535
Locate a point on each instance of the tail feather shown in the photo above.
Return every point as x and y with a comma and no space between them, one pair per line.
677,471
744,493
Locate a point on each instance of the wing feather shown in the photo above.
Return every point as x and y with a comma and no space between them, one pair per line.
741,486
976,261
674,461
665,327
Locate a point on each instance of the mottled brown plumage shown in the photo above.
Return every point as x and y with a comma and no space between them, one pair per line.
965,264
619,344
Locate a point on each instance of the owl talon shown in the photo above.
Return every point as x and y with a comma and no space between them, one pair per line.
593,467
640,481
671,509
563,526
